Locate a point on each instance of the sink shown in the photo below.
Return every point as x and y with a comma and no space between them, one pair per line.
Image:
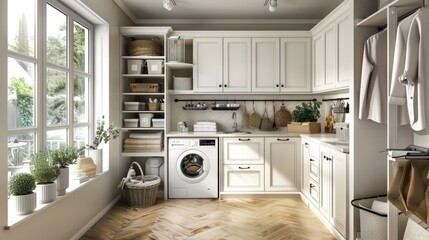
238,132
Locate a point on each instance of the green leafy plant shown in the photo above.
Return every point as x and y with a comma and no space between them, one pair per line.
42,168
103,134
65,156
22,184
306,112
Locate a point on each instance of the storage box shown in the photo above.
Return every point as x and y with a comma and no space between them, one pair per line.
182,83
144,87
154,66
307,127
158,123
145,119
342,131
135,66
154,106
135,106
131,123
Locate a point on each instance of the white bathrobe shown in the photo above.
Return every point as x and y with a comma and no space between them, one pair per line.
373,87
416,71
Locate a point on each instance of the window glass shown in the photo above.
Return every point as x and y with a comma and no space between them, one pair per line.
80,45
80,99
20,148
80,137
56,40
56,138
56,97
21,92
21,28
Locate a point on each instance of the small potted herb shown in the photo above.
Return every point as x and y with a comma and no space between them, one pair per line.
44,173
304,118
62,158
21,188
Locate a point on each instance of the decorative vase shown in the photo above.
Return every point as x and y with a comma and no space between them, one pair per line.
63,181
86,166
46,192
97,157
25,204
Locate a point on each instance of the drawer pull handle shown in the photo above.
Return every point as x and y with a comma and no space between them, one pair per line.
312,160
311,185
244,139
243,167
282,139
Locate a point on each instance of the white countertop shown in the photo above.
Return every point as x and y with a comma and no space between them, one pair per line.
329,140
253,133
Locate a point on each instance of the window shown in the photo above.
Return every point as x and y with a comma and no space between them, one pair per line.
49,79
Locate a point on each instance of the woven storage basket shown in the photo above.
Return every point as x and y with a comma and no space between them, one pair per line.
144,87
145,48
142,190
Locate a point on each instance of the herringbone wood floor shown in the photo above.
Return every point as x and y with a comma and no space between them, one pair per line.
204,219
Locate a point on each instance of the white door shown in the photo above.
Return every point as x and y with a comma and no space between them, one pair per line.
265,65
344,55
318,62
280,164
244,150
237,61
208,71
339,191
295,62
326,182
193,166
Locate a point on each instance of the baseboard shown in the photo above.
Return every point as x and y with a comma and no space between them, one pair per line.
94,220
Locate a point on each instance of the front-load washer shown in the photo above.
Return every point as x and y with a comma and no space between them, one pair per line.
193,168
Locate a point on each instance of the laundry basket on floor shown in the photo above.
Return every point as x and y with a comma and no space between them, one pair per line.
373,217
141,190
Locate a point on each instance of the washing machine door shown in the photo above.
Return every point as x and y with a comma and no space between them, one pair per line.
193,166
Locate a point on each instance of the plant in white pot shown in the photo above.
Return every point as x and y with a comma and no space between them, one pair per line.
21,187
102,135
44,173
62,158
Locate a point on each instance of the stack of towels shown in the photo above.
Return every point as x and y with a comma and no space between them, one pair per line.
144,142
205,126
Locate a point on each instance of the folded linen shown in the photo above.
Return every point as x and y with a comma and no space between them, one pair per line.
138,141
143,148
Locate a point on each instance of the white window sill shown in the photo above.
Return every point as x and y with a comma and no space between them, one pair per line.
14,219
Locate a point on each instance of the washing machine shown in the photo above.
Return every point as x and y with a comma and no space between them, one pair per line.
193,168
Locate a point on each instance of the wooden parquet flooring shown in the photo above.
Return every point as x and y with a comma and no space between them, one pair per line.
206,219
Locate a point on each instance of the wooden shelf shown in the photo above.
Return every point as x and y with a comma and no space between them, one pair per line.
142,75
143,94
142,129
379,18
143,154
178,92
179,65
138,111
143,57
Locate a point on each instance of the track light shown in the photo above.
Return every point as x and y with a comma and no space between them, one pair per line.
272,6
168,4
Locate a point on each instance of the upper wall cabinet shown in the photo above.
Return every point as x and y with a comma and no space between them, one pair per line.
237,68
332,52
265,64
208,68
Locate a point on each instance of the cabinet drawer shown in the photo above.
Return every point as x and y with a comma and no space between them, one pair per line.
314,192
313,149
243,178
243,150
314,169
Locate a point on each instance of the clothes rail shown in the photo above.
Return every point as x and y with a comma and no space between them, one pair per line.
245,100
334,99
402,17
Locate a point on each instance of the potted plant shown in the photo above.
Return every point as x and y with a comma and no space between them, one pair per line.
304,118
21,187
62,158
102,135
44,173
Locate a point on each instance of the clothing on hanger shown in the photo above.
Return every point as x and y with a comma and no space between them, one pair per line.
416,71
373,87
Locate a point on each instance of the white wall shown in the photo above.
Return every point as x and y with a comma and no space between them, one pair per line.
63,219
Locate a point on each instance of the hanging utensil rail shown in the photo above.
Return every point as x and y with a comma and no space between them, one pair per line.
245,100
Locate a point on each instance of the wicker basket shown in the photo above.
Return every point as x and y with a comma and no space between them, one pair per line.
145,48
144,87
142,191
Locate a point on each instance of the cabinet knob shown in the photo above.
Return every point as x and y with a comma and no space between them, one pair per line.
277,85
225,85
328,159
220,85
243,167
283,85
312,160
311,185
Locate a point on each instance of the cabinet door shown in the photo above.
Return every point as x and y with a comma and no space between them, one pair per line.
326,182
344,55
330,58
305,186
318,62
207,57
295,62
243,178
237,64
280,164
243,150
265,65
339,191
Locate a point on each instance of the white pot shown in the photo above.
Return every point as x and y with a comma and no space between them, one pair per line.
63,181
25,204
97,157
46,192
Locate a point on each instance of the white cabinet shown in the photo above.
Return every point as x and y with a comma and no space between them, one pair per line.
207,59
243,150
295,65
332,54
339,191
265,64
281,163
243,178
325,182
237,62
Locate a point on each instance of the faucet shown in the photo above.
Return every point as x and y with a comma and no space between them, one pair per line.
234,125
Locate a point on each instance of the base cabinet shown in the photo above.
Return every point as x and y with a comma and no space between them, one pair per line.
243,178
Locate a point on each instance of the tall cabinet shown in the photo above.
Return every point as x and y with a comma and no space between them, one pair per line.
128,95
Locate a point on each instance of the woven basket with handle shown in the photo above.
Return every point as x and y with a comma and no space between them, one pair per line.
142,190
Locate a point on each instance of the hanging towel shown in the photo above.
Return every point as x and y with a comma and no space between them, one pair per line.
416,71
397,89
373,87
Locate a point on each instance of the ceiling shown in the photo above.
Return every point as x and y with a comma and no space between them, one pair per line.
151,12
